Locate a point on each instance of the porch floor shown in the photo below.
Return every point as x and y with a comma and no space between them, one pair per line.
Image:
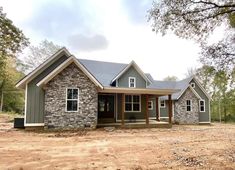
137,124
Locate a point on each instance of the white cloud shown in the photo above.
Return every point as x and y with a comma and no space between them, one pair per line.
127,40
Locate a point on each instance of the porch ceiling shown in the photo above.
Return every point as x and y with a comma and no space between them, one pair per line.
159,92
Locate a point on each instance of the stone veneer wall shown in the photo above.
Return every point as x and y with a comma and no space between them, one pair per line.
55,100
181,116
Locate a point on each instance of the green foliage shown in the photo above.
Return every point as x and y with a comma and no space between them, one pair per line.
219,85
13,99
12,40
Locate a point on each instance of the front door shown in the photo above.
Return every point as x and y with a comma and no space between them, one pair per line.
106,106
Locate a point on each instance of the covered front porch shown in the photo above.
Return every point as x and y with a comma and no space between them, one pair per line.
130,108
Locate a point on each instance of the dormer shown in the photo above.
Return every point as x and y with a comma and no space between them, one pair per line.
132,77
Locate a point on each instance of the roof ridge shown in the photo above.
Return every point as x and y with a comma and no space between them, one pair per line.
102,61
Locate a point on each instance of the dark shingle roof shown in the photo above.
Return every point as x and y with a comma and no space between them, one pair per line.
182,85
104,72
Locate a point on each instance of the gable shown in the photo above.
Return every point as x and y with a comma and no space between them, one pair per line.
70,60
137,68
123,80
45,68
199,89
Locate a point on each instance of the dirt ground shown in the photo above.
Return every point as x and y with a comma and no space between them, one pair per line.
182,147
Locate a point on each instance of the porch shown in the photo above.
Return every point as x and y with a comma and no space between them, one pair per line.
129,108
138,124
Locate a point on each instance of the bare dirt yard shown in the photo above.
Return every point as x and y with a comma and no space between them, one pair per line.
182,147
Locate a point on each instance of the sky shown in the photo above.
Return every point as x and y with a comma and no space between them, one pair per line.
105,30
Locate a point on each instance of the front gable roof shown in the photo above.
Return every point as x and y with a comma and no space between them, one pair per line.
132,63
183,85
70,60
21,83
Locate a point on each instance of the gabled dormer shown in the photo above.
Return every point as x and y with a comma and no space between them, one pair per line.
132,77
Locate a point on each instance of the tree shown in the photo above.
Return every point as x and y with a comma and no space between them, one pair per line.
12,99
12,39
220,55
197,19
206,75
170,78
37,55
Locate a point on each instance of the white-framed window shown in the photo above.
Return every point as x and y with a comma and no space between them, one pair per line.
150,105
132,82
188,105
162,104
202,105
193,85
72,97
132,103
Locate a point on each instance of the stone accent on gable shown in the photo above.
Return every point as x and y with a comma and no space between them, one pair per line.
55,101
181,116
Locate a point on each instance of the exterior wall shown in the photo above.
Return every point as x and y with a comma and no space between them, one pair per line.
164,112
181,116
152,113
131,115
35,95
203,116
55,100
123,81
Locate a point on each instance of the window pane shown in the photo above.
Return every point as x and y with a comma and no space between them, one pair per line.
136,98
69,105
202,108
162,103
128,98
101,106
69,93
187,102
188,108
75,93
72,105
128,107
149,105
132,85
136,107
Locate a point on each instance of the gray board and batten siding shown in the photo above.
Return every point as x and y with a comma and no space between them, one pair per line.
203,116
123,81
35,94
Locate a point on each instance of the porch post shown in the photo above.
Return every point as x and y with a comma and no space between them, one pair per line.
146,111
170,108
157,110
123,105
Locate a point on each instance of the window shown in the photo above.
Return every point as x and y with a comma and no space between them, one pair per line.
162,104
132,103
188,106
202,105
72,100
132,82
193,85
150,105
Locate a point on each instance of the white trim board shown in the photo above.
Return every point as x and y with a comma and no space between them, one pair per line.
34,124
25,103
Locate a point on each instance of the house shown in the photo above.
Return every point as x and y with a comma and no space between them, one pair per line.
66,93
